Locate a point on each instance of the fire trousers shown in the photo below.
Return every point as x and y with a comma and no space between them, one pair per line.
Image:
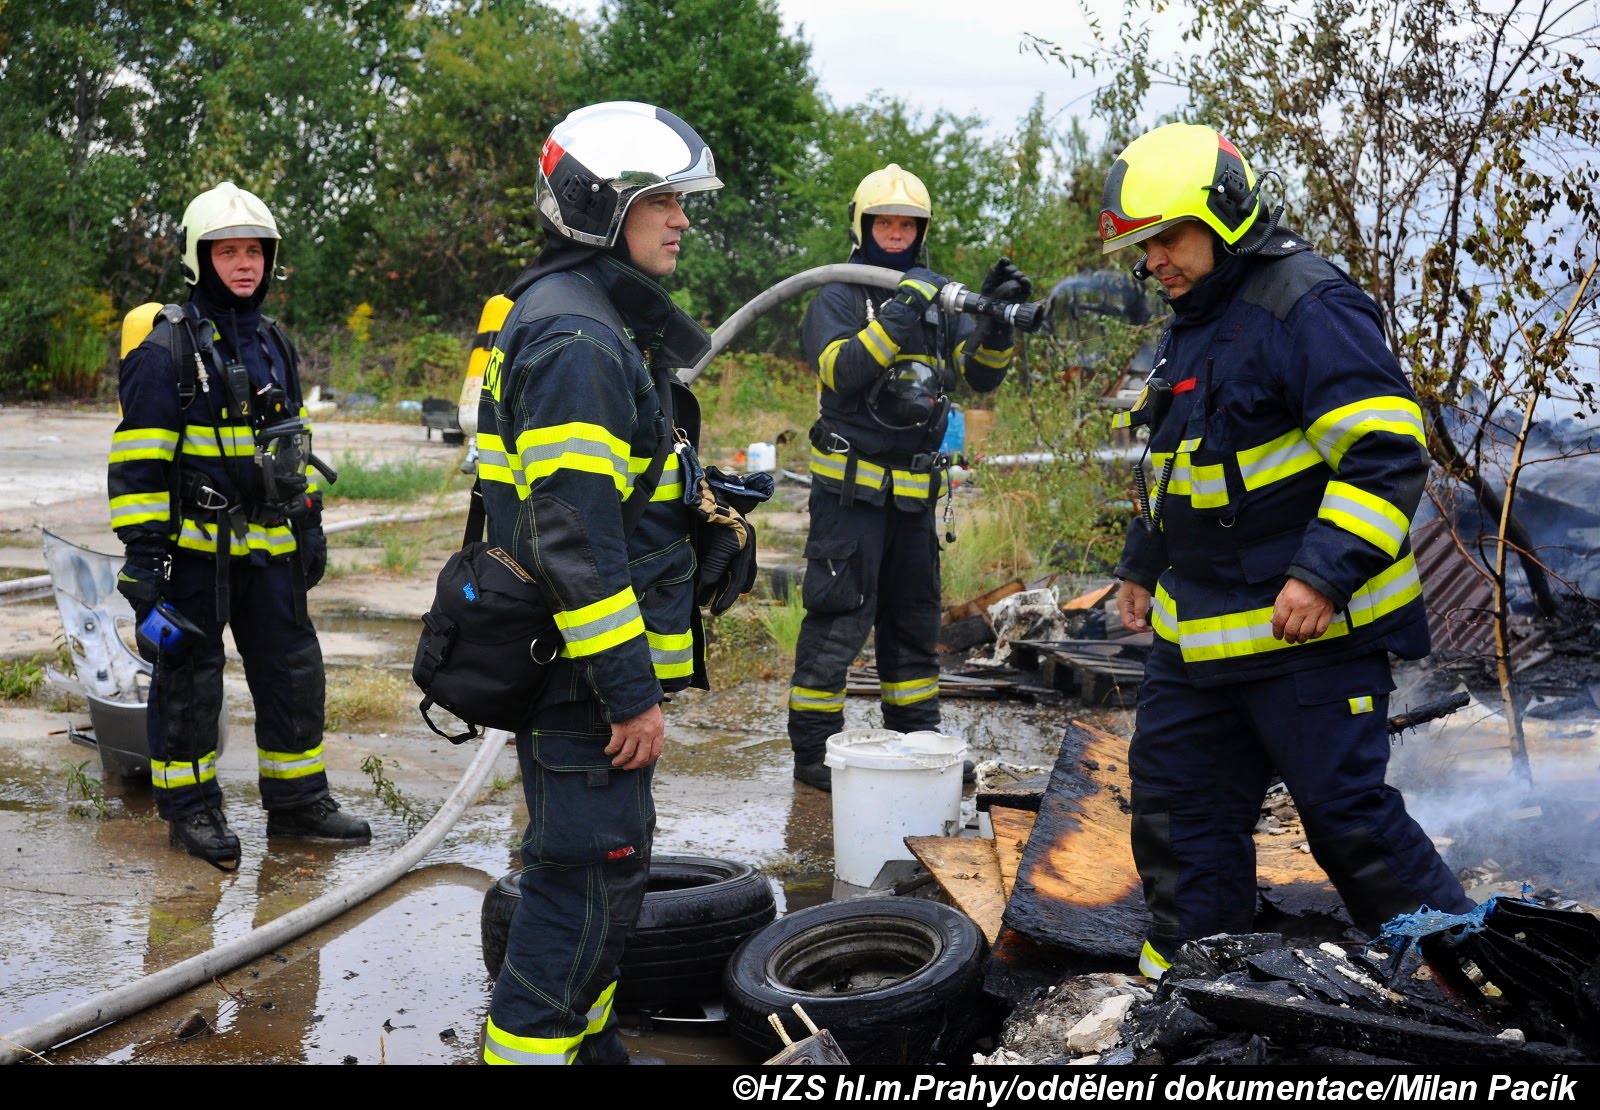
869,569
1201,760
282,665
586,864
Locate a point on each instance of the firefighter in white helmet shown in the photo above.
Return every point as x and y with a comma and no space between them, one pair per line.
583,471
885,362
216,497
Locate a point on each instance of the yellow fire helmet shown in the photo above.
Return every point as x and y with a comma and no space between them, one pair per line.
890,191
1183,171
226,212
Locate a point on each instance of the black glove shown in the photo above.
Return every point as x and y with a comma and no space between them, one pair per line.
917,291
141,580
312,547
727,567
1007,284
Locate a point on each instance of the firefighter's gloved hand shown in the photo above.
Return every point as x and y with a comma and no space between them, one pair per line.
1005,283
141,580
915,294
727,564
312,547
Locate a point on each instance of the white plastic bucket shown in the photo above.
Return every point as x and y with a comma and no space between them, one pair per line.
888,786
762,456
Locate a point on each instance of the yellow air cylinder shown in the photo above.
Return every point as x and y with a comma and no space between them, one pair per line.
495,311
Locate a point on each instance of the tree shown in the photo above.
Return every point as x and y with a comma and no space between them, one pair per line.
728,70
1445,152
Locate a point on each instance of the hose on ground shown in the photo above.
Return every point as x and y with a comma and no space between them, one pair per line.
879,277
114,1005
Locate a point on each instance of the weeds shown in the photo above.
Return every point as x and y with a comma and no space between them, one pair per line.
781,620
390,795
20,679
82,787
991,547
364,696
406,480
400,553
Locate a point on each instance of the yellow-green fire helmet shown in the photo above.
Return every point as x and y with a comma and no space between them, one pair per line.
1183,171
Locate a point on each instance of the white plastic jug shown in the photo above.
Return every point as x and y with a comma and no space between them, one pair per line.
762,456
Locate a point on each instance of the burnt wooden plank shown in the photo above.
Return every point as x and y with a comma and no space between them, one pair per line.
1077,886
1022,794
1303,1020
968,871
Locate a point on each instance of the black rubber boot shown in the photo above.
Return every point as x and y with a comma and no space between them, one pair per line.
818,775
205,834
321,820
969,772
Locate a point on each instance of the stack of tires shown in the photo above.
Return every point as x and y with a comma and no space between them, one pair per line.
894,980
696,912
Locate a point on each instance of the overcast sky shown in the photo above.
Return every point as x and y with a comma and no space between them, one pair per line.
961,56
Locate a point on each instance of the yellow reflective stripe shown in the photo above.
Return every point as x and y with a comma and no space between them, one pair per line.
140,508
1178,481
1366,515
907,484
920,286
1208,486
1233,635
910,691
828,361
1164,615
1360,705
275,540
573,446
1334,433
496,465
289,765
1385,592
237,440
1152,964
1276,459
816,701
500,1047
144,443
600,625
878,344
830,465
601,1010
168,775
669,487
671,654
995,360
1122,419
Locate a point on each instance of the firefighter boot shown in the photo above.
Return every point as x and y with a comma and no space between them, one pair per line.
205,834
321,820
818,775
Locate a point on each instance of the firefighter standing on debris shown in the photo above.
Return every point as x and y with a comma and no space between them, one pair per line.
1271,556
215,498
885,361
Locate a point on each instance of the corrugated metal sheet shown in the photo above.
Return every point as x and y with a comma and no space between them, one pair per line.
1460,603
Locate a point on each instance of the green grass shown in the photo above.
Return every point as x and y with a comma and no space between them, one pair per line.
406,480
362,695
20,679
991,547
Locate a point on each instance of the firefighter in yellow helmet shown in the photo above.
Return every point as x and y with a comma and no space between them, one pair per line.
1271,555
885,362
215,495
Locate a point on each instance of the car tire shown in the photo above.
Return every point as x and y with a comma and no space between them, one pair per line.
696,912
894,980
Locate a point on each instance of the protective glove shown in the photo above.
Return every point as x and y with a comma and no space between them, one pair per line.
1007,284
141,580
312,547
727,564
915,294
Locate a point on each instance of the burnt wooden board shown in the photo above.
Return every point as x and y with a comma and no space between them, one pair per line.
968,871
1022,794
1012,827
1076,886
